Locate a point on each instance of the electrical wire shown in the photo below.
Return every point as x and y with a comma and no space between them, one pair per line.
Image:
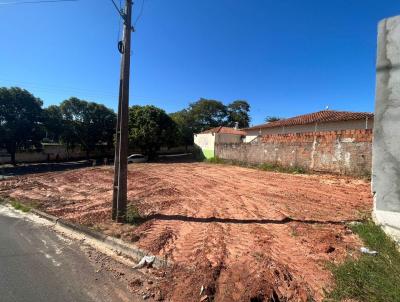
119,23
118,9
56,90
139,15
35,2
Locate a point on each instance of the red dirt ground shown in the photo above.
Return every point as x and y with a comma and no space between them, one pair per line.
239,233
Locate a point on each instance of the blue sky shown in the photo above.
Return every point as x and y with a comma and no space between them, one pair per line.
284,57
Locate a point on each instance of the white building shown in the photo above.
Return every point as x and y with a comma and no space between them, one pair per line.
206,140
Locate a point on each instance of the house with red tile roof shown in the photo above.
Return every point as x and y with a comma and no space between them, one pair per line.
325,120
206,140
225,130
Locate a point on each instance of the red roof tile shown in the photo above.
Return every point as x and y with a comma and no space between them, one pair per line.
224,130
317,117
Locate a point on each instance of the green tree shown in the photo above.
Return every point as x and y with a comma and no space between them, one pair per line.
53,123
205,114
184,125
238,112
21,120
88,124
270,119
150,128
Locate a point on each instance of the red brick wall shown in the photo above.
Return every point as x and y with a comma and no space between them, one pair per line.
359,135
345,152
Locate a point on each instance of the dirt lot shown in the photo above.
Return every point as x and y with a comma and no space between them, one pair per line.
242,234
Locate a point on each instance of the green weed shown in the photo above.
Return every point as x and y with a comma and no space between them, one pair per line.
215,160
133,216
369,278
20,206
263,167
281,169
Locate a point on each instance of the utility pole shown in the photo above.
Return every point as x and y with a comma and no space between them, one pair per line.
116,156
121,147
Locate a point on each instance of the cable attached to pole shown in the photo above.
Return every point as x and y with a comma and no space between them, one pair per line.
120,11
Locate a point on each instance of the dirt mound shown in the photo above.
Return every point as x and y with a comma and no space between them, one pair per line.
233,234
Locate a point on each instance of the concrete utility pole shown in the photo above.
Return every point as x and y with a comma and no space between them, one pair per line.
386,145
121,146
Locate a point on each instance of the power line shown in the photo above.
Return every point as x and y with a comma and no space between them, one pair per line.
35,2
119,23
91,94
54,87
140,14
118,10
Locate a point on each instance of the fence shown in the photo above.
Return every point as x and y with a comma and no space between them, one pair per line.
346,152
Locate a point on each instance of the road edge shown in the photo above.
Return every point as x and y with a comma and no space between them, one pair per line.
120,247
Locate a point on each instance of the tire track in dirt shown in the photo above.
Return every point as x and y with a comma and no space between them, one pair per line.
233,259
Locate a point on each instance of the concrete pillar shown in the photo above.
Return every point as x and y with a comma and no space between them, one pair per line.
386,145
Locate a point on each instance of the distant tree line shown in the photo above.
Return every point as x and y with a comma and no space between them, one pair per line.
25,124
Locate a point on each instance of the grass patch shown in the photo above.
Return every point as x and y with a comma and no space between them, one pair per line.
215,160
369,278
263,167
278,168
20,206
133,216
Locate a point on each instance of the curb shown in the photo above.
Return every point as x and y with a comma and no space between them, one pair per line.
45,215
113,243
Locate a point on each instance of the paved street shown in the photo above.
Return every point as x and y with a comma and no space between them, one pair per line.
36,264
8,170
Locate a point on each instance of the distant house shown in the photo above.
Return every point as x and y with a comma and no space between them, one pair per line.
206,140
326,120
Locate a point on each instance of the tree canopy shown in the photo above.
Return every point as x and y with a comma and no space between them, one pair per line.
53,122
21,120
86,123
150,128
184,125
270,119
238,112
205,114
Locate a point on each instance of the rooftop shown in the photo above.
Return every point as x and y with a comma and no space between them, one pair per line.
317,117
224,130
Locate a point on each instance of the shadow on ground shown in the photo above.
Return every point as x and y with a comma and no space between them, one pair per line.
175,158
140,220
24,169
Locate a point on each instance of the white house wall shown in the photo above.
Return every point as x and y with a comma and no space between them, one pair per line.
206,142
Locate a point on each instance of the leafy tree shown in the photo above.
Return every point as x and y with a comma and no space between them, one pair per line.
21,117
87,123
53,123
150,128
270,119
238,112
205,114
185,131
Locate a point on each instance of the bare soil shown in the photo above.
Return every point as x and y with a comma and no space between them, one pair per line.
239,234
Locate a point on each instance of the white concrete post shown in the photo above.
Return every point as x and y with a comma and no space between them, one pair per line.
386,145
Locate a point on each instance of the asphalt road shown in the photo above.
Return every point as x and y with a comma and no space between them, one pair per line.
36,264
7,170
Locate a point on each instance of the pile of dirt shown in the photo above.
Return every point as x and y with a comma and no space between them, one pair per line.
233,234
